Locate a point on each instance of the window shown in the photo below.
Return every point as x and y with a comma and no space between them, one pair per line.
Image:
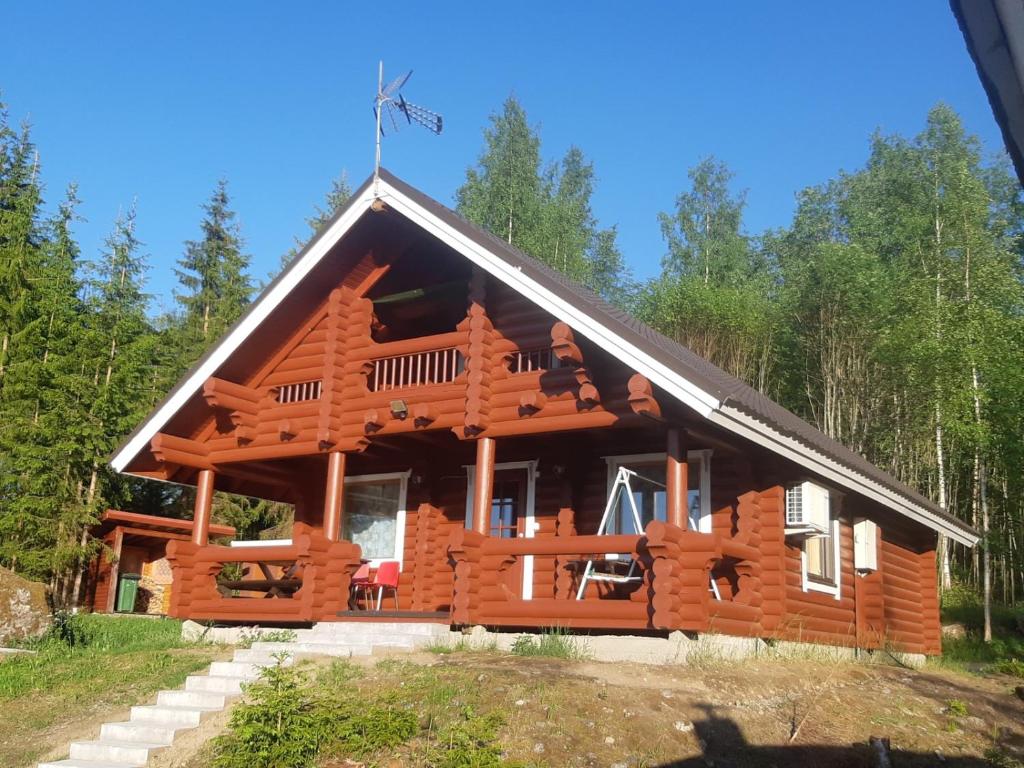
374,515
650,495
819,559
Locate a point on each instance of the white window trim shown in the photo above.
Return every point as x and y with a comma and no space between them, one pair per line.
703,455
530,529
810,585
403,490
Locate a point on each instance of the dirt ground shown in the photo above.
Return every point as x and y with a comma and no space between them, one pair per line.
564,713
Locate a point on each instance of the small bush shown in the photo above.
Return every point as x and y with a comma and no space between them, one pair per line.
1011,667
555,643
469,742
956,708
289,722
67,629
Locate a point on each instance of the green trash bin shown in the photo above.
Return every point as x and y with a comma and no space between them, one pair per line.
127,590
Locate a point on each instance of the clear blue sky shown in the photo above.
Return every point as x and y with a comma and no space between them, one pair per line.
155,101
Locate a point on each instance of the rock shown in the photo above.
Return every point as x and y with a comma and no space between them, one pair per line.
1019,690
538,748
24,612
609,740
954,631
682,726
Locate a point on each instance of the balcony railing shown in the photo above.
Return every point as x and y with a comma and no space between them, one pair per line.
436,366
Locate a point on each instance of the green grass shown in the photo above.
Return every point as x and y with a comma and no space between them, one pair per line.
114,662
554,643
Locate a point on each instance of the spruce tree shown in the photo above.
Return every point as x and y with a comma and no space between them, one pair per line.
216,287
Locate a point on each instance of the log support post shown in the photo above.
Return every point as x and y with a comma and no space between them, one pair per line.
484,485
333,495
676,479
204,504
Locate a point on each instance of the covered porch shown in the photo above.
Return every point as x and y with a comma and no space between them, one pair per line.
499,531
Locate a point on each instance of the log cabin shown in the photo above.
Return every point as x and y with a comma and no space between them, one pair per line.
531,456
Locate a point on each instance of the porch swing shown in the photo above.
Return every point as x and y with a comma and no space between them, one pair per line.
622,485
608,574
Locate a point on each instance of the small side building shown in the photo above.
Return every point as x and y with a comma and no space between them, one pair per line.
136,546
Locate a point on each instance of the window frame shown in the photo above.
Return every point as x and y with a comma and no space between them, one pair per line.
702,455
812,584
403,490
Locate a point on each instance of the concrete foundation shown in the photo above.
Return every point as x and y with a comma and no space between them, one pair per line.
677,648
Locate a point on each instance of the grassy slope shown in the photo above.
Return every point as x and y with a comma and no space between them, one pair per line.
485,710
52,696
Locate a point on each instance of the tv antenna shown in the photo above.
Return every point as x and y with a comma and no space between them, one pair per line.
390,102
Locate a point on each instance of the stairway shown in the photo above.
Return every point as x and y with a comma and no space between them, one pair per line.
151,728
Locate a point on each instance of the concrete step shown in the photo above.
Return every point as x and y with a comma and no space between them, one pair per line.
244,670
229,686
128,753
331,648
262,658
174,717
69,763
375,639
429,629
212,700
145,733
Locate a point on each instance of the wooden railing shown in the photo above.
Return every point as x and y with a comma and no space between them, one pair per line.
435,366
527,360
674,566
324,568
300,392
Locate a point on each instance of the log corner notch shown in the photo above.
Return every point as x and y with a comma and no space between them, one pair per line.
564,347
171,449
239,402
641,397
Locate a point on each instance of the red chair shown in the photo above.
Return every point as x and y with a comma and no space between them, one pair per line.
385,578
360,583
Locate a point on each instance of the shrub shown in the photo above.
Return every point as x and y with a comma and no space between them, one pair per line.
469,742
288,722
1011,667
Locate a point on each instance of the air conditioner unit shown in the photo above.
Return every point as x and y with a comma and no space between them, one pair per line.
807,509
865,545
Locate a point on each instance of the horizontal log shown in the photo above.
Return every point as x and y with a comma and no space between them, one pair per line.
414,345
537,611
281,378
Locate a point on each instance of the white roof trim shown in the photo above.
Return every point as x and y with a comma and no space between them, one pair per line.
234,339
704,403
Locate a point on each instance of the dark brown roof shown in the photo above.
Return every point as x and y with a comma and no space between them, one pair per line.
709,377
688,365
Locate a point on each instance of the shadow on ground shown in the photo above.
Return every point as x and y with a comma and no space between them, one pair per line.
724,746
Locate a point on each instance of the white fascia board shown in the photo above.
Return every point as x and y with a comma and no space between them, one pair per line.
687,392
742,424
259,313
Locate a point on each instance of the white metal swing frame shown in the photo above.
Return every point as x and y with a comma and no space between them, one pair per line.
622,482
622,478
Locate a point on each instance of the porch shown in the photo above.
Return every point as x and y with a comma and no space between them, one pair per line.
498,533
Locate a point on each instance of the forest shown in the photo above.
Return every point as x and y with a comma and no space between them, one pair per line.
888,314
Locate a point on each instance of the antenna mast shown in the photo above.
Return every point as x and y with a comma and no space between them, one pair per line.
391,100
